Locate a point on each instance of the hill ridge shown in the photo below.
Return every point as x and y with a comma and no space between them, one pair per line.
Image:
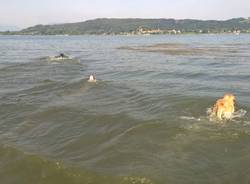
140,26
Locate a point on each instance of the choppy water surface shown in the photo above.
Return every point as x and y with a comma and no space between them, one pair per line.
144,121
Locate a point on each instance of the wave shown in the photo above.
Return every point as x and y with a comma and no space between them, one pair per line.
22,168
57,60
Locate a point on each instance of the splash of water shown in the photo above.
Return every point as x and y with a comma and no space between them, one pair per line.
237,114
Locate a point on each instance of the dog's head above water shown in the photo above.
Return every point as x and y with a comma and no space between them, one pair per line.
229,97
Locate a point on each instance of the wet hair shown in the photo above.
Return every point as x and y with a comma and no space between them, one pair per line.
62,54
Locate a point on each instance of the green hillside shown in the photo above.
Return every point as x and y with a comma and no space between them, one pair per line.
139,26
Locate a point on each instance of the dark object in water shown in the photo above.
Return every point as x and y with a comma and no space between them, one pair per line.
61,56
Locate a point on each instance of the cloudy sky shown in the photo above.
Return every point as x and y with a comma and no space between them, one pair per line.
24,13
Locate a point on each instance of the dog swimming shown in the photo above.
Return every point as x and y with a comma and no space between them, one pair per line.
224,107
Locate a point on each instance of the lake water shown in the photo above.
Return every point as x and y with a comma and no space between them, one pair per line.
144,121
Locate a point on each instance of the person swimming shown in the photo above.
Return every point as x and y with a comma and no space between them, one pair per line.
61,56
92,78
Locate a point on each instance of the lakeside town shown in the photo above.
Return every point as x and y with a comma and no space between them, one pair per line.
146,31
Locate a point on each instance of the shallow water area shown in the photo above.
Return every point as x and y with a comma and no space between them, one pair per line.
144,120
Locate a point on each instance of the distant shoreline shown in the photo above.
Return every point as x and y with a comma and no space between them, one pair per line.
139,27
182,34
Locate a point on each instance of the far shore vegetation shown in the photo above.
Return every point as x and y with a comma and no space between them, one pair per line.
139,27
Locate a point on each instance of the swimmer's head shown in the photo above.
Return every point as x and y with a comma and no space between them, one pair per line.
92,78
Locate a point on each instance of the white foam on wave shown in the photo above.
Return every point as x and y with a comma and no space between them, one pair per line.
209,111
246,122
61,60
237,114
189,118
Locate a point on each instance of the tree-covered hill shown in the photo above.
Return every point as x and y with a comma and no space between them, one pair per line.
139,26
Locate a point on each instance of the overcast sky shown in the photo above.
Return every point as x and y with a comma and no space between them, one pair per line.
24,13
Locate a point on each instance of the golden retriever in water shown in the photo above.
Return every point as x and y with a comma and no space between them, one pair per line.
224,107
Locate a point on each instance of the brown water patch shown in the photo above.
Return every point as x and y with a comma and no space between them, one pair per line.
181,49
